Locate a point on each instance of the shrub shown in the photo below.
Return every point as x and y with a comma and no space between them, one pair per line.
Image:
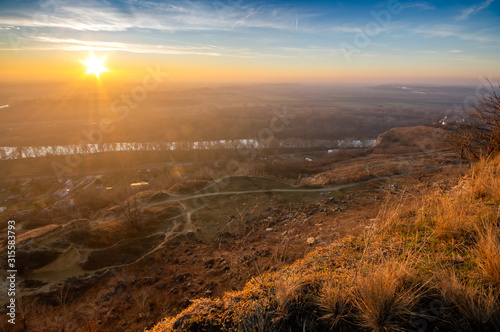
479,135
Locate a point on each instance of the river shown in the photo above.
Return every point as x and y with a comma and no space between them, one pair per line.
9,152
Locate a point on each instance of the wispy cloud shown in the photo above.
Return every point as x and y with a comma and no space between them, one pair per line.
352,28
456,31
473,10
82,45
9,28
74,18
184,16
419,5
477,59
457,55
310,52
43,43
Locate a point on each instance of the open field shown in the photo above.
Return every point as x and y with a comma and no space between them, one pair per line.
221,112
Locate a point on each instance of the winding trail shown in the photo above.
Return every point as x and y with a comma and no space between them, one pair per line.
202,193
187,226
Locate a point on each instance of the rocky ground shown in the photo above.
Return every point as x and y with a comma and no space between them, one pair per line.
127,279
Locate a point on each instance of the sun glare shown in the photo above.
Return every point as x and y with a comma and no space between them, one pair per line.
95,65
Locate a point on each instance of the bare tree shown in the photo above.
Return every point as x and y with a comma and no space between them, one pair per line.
479,135
132,211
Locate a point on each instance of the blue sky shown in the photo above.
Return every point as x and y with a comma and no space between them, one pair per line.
322,39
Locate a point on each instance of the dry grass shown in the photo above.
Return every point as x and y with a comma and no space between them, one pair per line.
397,215
487,252
440,247
382,300
288,291
462,212
453,216
485,179
257,322
474,303
335,302
142,298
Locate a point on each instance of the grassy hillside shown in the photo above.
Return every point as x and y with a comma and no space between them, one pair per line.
430,261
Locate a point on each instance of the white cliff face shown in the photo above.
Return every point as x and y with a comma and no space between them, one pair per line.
8,152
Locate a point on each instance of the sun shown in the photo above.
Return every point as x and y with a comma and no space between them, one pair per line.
95,65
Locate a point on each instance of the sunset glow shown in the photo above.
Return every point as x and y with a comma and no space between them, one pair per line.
361,42
95,66
241,165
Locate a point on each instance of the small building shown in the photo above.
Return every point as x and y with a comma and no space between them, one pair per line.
61,193
69,185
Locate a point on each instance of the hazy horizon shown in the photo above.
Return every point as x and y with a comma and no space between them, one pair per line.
238,41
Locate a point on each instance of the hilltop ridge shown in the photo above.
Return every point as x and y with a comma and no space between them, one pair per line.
428,261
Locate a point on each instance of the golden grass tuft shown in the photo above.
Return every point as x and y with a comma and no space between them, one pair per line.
382,299
391,217
475,304
288,290
485,179
456,214
453,216
257,321
487,252
335,302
